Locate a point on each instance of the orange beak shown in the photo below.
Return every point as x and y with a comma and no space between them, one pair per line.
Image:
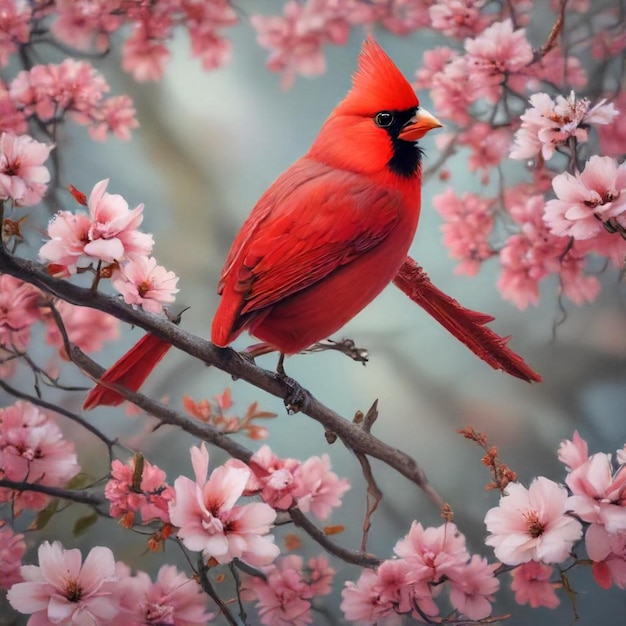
419,125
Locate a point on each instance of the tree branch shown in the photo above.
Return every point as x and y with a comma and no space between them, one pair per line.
225,359
83,496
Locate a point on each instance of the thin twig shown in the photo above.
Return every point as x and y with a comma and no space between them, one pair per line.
79,495
206,585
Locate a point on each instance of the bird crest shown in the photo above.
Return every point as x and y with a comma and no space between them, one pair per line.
377,85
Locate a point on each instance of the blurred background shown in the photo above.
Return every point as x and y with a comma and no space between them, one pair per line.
208,146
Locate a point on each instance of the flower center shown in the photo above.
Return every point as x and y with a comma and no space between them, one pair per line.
73,591
535,527
143,289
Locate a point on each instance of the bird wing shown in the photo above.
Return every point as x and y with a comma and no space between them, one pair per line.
311,221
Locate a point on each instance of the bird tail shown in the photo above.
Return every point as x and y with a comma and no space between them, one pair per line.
130,371
466,325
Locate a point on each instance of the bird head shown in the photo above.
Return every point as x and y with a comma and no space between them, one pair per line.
376,126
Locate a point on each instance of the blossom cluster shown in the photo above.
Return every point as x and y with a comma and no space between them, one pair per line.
109,235
428,560
474,85
34,450
63,589
72,89
87,26
283,596
22,305
283,483
536,528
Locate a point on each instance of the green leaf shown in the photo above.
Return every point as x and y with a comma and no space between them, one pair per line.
80,481
82,524
44,516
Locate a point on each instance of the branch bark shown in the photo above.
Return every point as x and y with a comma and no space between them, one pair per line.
226,359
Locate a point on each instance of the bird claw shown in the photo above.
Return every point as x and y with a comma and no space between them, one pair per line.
345,346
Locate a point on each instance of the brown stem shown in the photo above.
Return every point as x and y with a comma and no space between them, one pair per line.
82,496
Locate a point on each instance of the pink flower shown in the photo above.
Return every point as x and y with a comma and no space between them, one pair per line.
142,282
573,453
591,201
113,234
68,233
63,590
489,146
151,497
209,520
362,602
173,599
85,327
32,448
608,553
613,135
275,476
453,92
531,584
19,310
117,115
469,220
432,553
434,61
495,54
144,58
318,489
12,549
23,176
284,597
548,124
599,493
14,27
458,18
472,588
532,525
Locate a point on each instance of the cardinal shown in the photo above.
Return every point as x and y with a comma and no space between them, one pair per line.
328,235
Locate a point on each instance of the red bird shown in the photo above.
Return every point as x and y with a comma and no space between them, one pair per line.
328,235
333,230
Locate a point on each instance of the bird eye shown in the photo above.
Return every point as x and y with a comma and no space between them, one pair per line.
384,119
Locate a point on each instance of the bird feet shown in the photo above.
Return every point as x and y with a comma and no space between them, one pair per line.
297,395
345,346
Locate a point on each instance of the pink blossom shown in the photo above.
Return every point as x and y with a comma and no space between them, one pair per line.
608,553
117,115
174,599
556,68
613,135
489,146
68,233
86,24
593,200
142,282
433,553
14,27
19,310
495,54
63,590
573,453
32,448
434,62
534,253
275,478
549,123
453,92
458,18
12,550
472,588
284,597
113,234
12,120
531,584
362,603
599,494
85,327
150,498
532,524
318,489
405,16
23,176
469,220
209,520
144,58
71,88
